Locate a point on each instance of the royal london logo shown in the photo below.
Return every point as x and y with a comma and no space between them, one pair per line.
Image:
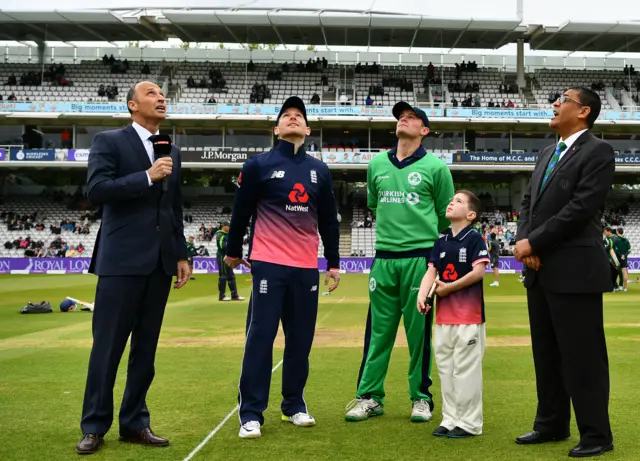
298,195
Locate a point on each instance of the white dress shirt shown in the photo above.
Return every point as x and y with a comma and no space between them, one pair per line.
148,145
569,142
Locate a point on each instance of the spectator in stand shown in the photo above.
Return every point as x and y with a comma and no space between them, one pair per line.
368,220
315,99
65,138
368,101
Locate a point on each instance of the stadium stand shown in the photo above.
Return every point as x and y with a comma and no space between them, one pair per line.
240,82
82,83
50,212
554,81
387,84
489,89
84,80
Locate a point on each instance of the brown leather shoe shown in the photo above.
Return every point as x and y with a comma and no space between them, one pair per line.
89,444
144,437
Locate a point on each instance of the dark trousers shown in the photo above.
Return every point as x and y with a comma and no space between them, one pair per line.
426,355
614,275
226,275
279,293
571,363
127,305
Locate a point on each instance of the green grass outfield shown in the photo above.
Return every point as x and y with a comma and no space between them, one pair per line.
43,363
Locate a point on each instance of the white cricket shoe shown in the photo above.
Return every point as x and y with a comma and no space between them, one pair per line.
495,284
421,413
361,409
239,298
226,298
300,420
250,430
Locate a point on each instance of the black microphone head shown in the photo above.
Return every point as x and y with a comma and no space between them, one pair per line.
162,145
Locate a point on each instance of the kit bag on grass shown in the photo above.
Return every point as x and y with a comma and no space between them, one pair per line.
40,308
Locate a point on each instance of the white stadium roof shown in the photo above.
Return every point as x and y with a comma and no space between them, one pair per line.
393,23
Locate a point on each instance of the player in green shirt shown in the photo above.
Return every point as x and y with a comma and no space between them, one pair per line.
408,191
622,248
609,242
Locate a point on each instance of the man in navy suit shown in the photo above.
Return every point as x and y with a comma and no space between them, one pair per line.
139,247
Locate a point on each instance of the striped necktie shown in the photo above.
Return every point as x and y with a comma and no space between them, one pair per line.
553,162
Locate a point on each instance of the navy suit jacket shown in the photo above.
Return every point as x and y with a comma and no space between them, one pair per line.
140,223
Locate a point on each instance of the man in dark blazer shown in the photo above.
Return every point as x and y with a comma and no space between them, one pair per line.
560,240
139,247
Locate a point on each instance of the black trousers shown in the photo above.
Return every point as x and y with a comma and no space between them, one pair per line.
290,295
127,305
226,275
614,275
571,363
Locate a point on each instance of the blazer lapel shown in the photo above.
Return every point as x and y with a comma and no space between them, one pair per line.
566,157
536,179
138,147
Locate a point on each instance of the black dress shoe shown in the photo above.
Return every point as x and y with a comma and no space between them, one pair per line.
89,444
536,437
459,433
586,451
144,437
440,431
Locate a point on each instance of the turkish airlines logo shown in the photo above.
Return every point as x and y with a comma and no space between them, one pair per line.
298,194
450,273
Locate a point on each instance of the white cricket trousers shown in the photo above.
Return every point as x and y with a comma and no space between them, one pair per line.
459,353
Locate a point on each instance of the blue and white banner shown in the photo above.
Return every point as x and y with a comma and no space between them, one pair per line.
39,155
487,112
78,155
202,109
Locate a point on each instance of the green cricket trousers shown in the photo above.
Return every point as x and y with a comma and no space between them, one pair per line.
393,293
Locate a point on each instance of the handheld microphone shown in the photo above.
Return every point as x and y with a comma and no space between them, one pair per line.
162,148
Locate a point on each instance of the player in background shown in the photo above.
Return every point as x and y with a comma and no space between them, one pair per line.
289,196
494,252
191,252
609,241
622,249
457,266
225,273
408,191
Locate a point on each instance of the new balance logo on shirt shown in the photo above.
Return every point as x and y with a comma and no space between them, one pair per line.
277,175
314,288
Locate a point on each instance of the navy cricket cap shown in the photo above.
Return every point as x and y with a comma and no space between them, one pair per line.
296,103
402,106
